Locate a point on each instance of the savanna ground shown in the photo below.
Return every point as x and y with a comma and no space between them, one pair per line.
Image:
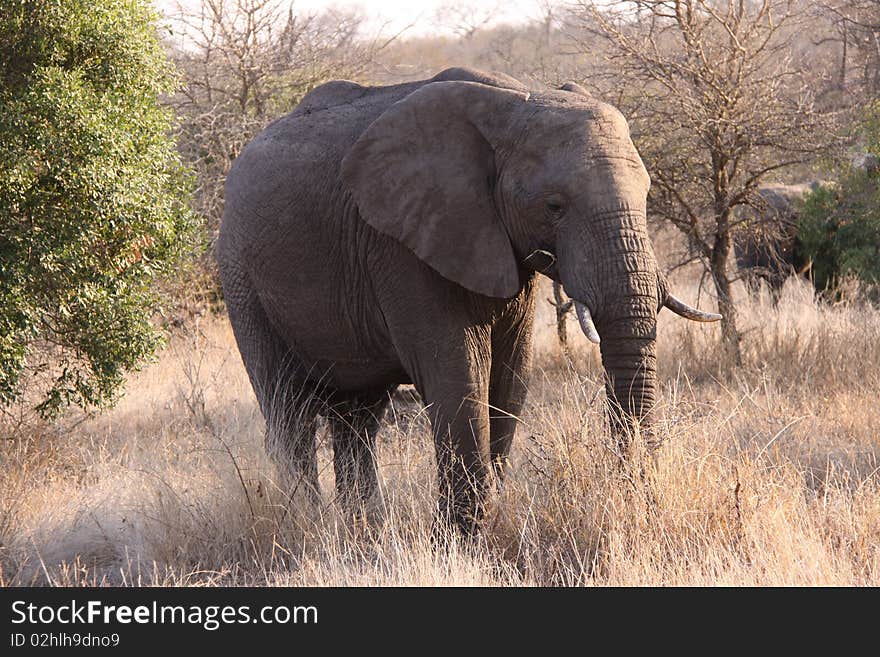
768,474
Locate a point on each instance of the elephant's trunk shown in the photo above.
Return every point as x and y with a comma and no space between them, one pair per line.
615,284
627,325
631,379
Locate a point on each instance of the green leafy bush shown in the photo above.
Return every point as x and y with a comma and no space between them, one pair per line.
93,197
839,228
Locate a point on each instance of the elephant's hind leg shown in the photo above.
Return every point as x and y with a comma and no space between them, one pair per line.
354,423
290,408
287,399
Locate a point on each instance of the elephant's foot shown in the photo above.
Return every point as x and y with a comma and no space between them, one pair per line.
301,486
459,520
364,516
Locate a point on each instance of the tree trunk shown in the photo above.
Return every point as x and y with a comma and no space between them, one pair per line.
718,264
562,309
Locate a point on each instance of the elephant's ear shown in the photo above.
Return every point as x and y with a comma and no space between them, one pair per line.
423,173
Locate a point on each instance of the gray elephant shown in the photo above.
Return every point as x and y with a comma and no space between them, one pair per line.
768,248
378,236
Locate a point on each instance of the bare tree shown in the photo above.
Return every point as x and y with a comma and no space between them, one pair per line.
856,28
717,104
465,19
539,50
535,51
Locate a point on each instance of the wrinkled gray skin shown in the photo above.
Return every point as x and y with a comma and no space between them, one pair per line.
769,249
383,235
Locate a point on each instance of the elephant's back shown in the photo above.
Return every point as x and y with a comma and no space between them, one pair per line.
286,173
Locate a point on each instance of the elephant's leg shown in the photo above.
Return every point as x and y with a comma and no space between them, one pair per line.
290,407
442,335
457,394
287,399
461,441
507,396
511,360
354,423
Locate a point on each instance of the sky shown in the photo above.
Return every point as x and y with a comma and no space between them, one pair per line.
399,14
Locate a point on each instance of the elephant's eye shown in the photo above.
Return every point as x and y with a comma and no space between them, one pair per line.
555,207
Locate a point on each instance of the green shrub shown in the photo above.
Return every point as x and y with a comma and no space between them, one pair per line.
839,228
93,197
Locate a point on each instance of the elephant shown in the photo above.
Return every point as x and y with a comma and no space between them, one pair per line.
768,248
386,235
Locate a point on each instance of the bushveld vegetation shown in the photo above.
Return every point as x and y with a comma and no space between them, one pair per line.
93,198
768,470
840,226
767,475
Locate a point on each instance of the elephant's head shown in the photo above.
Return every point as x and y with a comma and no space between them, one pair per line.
484,184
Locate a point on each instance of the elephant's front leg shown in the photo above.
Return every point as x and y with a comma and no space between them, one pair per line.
461,440
457,394
511,362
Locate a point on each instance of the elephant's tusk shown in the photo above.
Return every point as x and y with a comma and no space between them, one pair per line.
681,308
586,322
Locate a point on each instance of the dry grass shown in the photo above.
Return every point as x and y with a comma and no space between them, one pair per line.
768,475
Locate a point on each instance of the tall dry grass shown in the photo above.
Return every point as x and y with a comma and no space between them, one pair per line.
768,475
